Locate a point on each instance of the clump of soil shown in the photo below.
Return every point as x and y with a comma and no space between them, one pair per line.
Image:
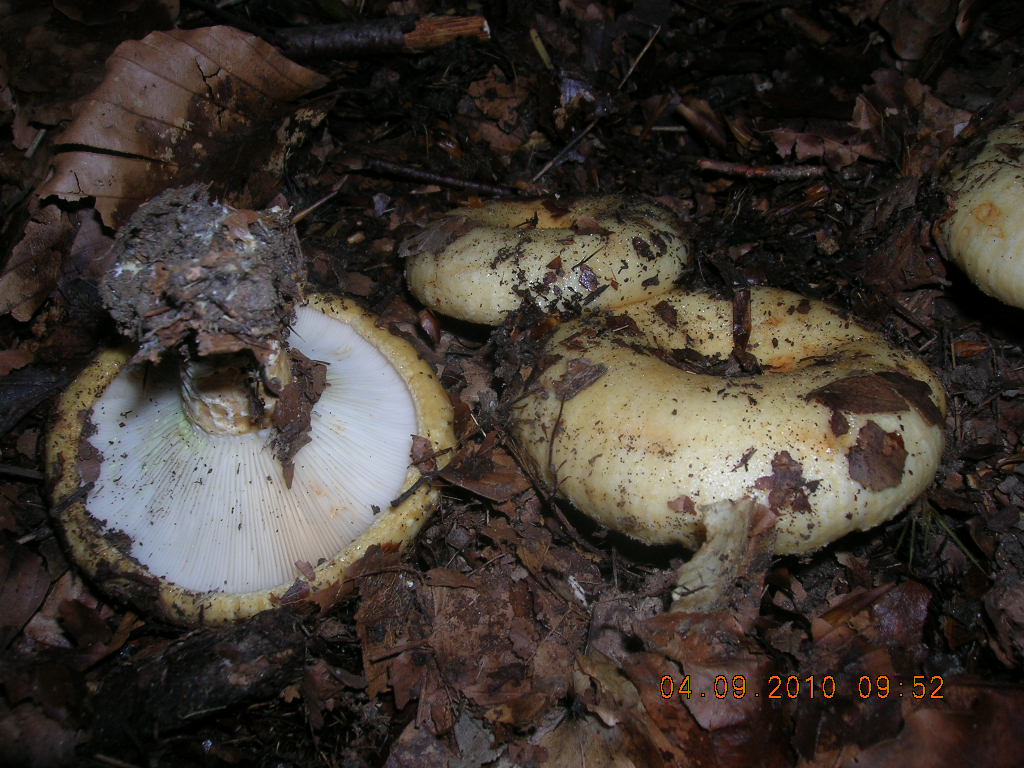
185,265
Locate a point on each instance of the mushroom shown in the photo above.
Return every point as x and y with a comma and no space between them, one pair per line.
984,231
238,472
642,420
479,263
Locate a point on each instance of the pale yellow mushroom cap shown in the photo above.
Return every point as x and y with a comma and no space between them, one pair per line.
201,528
839,432
478,264
984,234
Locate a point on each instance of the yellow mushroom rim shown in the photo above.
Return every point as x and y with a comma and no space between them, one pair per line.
984,233
839,432
478,264
223,518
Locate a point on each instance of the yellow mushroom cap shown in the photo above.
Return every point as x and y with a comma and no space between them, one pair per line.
984,234
200,527
839,432
478,264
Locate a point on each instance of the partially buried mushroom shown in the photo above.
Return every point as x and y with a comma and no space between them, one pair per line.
654,421
260,457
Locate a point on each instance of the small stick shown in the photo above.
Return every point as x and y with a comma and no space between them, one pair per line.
541,49
392,35
306,211
632,67
565,150
778,172
435,31
373,164
22,472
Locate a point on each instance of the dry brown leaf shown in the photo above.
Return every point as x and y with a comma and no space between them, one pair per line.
500,100
28,736
32,269
24,582
13,359
623,723
486,470
388,623
45,627
877,458
834,144
913,24
169,105
976,721
719,717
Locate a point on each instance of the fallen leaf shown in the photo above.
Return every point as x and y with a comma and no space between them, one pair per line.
876,460
486,470
786,484
975,720
579,374
34,264
170,105
12,359
24,582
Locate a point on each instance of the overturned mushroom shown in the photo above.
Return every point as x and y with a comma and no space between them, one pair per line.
984,231
479,263
239,472
643,419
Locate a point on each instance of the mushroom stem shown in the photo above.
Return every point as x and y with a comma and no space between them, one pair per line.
704,579
230,393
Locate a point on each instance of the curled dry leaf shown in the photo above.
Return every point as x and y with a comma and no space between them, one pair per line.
170,104
486,470
937,728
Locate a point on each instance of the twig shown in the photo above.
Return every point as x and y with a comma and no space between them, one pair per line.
632,67
435,31
392,35
373,164
777,172
541,49
79,493
308,210
565,150
22,472
99,757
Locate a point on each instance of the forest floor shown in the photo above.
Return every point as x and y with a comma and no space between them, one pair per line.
803,144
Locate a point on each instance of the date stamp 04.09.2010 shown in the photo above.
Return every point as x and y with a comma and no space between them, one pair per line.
793,687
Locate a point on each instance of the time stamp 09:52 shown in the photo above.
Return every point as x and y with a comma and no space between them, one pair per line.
792,687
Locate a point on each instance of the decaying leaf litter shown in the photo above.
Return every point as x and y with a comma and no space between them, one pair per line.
802,141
